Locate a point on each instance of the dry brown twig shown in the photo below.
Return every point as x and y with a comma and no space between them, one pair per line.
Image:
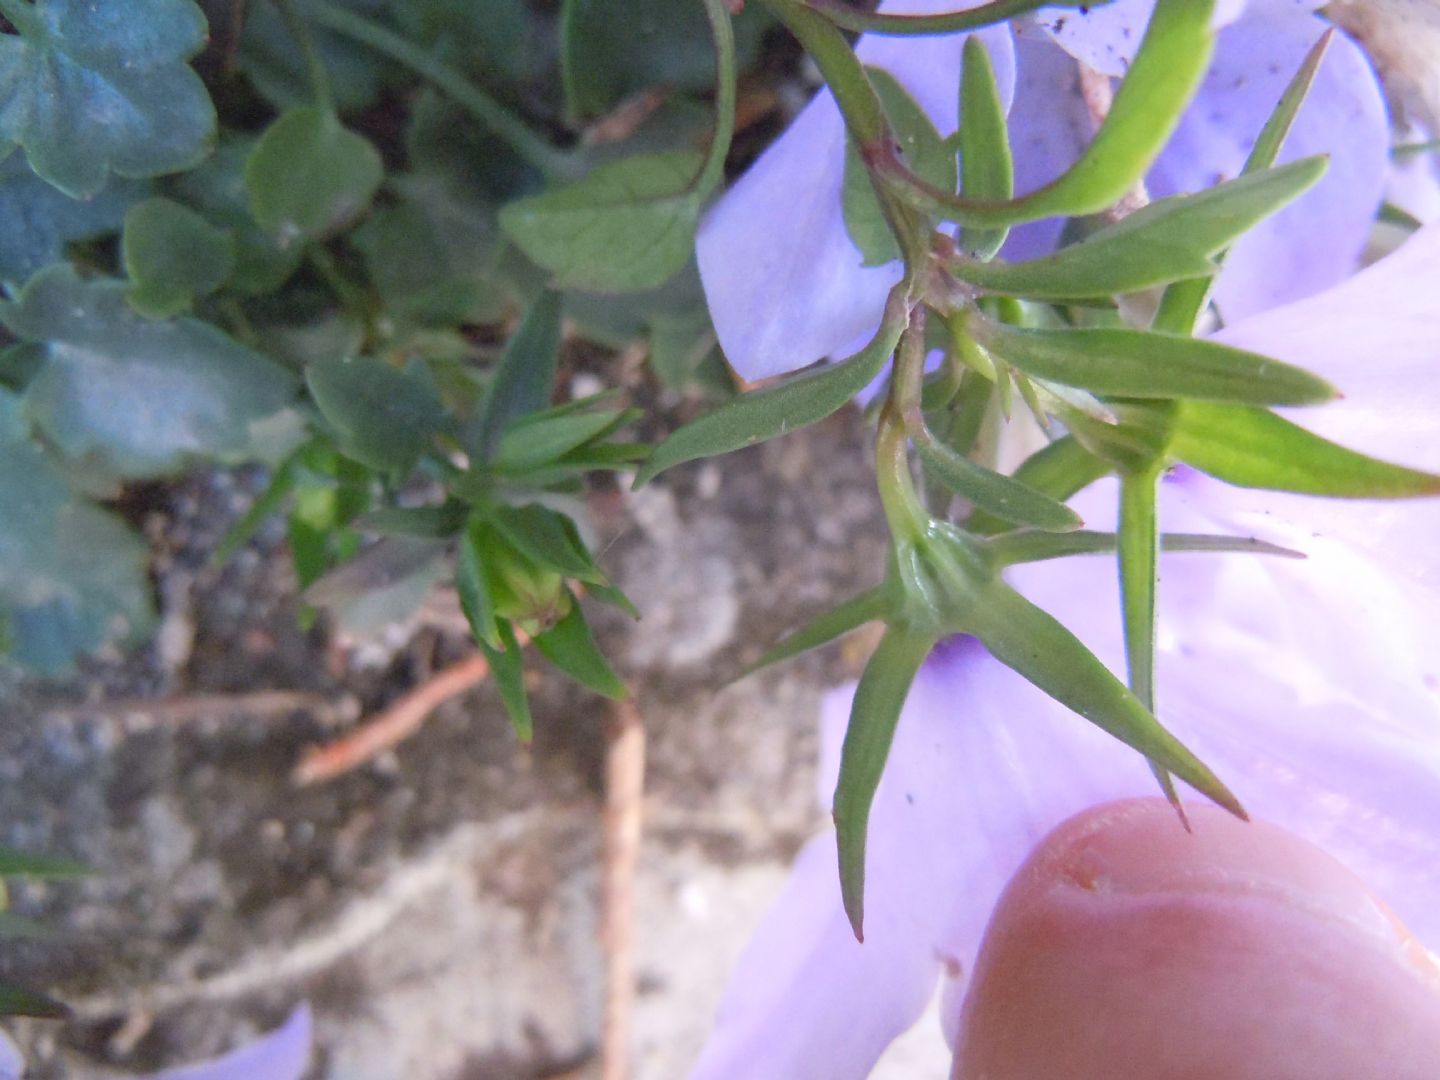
624,795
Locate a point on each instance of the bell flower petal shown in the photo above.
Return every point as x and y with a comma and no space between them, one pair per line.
785,284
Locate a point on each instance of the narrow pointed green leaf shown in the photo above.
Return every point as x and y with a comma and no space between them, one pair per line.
1166,241
993,492
509,671
473,584
1060,469
23,864
1027,545
860,609
1139,550
878,700
783,407
1033,643
525,377
282,483
548,537
1139,363
1183,301
986,168
609,594
542,438
1255,448
571,647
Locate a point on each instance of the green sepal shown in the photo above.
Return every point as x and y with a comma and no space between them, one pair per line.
548,537
509,671
785,406
987,170
868,606
571,647
1142,364
1168,240
873,715
1255,448
1028,545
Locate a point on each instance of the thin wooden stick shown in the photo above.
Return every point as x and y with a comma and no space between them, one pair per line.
624,795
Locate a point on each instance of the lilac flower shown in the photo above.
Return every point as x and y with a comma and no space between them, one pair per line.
282,1054
1312,687
786,286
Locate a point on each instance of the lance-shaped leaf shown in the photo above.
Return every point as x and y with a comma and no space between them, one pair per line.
309,175
49,867
509,672
172,255
542,438
1139,551
385,416
1142,364
993,492
88,88
472,582
987,170
1165,241
925,152
571,647
1059,470
868,606
525,377
783,407
142,396
1182,303
873,716
627,225
1254,448
1030,641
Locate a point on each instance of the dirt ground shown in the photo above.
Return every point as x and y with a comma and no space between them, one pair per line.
439,906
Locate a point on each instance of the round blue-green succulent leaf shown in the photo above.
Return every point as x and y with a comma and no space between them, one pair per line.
137,396
90,88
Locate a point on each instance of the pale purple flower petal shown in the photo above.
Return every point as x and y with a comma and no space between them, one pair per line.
784,283
12,1062
1316,241
1107,38
282,1054
1308,246
1377,337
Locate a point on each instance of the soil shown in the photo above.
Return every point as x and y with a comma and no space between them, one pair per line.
439,906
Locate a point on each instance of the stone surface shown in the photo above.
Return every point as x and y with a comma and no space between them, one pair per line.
439,906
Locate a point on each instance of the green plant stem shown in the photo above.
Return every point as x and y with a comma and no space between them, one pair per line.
529,144
950,22
842,71
314,64
723,33
904,509
22,16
